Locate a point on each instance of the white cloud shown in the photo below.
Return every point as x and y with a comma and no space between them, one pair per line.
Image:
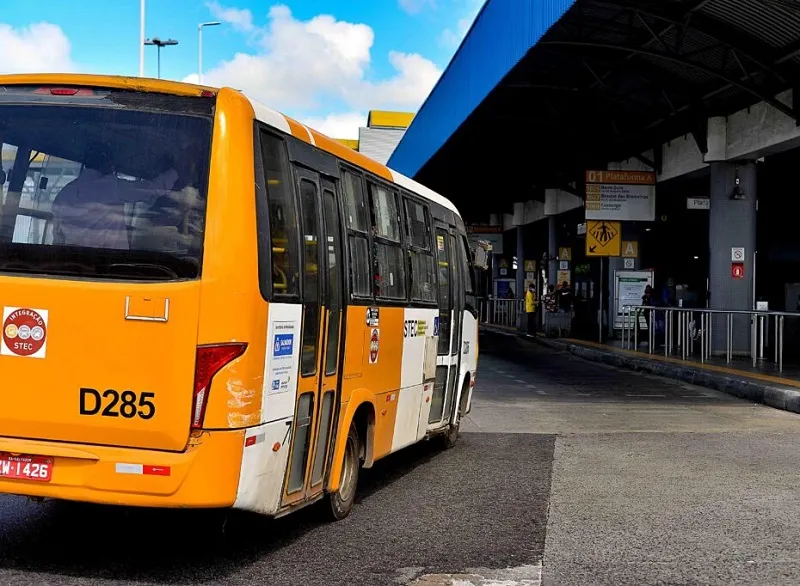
40,47
302,66
414,6
240,19
337,125
452,37
412,83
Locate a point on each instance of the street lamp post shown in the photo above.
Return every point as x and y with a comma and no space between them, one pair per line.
159,43
200,48
141,38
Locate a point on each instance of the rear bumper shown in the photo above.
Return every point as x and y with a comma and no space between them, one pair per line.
205,475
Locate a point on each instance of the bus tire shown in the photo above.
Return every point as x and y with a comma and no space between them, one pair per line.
450,437
341,502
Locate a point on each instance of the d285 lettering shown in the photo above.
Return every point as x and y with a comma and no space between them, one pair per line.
112,403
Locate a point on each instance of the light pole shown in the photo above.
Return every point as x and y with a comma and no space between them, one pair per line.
141,38
200,47
159,43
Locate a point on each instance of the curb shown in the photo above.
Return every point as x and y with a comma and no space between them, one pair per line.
784,398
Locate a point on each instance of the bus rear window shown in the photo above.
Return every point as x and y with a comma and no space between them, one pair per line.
102,192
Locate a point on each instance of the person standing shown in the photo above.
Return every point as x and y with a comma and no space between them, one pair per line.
530,309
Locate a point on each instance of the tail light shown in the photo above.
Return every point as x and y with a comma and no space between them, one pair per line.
210,360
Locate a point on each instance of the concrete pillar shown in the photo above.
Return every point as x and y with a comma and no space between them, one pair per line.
732,223
520,275
552,250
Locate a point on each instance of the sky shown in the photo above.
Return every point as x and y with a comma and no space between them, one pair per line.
324,62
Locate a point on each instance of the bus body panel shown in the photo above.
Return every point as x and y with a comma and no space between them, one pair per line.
419,337
380,363
97,361
203,476
469,361
266,447
230,287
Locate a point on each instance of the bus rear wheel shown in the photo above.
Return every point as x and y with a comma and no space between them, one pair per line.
341,502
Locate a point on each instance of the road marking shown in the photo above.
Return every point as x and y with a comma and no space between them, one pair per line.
634,395
522,382
541,392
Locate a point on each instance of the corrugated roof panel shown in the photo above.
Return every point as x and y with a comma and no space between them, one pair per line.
378,143
501,35
768,22
387,119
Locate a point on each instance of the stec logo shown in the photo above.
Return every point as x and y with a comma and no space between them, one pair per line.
414,328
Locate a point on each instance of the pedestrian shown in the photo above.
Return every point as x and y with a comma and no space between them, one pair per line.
530,309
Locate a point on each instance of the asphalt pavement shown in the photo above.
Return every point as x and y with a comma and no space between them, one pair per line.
566,472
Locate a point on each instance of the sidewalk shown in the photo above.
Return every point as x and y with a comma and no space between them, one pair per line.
738,379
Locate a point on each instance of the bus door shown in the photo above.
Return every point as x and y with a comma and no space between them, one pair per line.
457,297
449,325
323,312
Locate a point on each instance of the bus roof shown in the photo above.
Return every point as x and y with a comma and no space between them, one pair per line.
263,113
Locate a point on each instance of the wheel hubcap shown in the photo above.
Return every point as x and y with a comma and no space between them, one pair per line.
348,473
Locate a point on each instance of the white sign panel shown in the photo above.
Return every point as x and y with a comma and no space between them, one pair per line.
698,203
737,254
627,196
563,265
284,347
630,263
628,290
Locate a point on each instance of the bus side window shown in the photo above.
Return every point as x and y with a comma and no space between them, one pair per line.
468,275
357,223
423,265
283,217
390,261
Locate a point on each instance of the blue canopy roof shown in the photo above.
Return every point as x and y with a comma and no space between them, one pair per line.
503,32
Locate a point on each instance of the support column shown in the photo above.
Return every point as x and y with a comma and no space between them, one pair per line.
520,273
732,223
552,250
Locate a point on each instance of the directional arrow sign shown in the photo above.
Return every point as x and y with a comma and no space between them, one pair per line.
603,238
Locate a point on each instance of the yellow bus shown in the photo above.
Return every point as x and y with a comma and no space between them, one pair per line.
207,304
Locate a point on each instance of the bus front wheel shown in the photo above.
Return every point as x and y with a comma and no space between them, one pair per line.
341,502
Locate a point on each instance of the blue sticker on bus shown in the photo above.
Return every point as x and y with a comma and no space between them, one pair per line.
436,326
284,344
276,384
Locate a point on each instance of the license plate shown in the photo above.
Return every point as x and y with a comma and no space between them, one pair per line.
22,467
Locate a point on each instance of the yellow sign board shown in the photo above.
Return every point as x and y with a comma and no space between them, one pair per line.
530,266
630,249
603,238
564,253
563,277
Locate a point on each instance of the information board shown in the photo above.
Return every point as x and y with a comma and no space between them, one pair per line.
629,288
627,196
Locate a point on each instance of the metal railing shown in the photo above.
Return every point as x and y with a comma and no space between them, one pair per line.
683,337
501,312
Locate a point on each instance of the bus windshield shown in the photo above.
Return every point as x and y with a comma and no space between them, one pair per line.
105,192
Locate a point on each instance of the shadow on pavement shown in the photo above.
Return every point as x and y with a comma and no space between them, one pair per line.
164,546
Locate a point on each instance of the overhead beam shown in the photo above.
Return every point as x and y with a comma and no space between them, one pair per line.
755,92
748,46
